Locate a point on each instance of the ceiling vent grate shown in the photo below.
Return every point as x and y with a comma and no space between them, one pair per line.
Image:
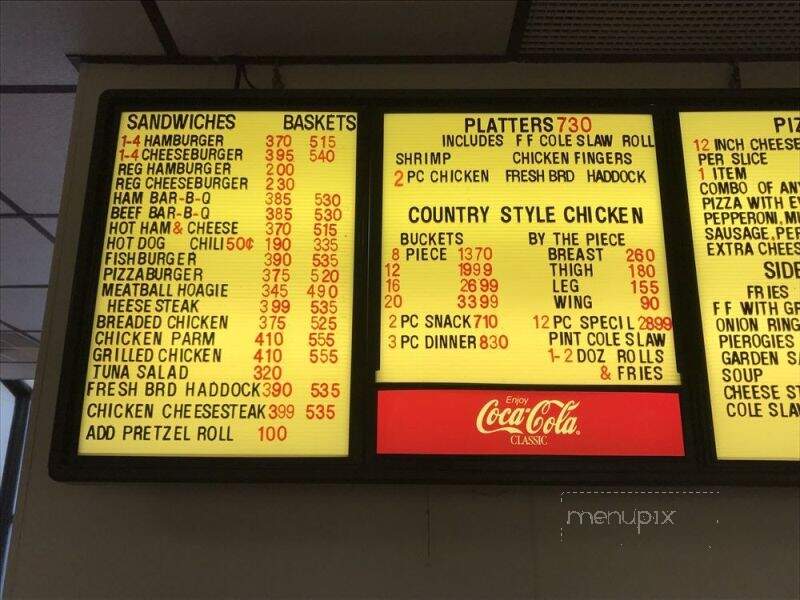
688,28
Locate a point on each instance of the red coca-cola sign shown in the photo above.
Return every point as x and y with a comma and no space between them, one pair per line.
486,422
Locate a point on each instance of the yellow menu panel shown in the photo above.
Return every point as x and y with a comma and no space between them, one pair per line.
743,179
523,248
224,305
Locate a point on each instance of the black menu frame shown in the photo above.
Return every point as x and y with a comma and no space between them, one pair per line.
363,465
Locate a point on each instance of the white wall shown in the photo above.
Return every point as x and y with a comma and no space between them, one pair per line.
6,415
170,540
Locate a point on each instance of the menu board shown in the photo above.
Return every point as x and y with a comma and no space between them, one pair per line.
223,316
523,249
743,181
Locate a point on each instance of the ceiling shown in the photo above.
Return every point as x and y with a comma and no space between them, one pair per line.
676,29
42,42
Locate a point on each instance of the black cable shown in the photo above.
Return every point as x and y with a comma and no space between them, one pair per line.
241,72
277,80
735,78
247,79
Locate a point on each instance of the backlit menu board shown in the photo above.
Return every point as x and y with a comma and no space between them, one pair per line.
743,181
524,249
223,316
471,286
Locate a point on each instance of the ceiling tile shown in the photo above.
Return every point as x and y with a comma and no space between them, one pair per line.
33,148
23,308
19,355
305,28
17,371
25,254
36,36
676,28
12,339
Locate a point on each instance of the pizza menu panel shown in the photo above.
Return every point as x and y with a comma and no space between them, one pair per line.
743,180
223,315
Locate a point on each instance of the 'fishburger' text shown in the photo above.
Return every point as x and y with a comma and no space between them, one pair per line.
545,417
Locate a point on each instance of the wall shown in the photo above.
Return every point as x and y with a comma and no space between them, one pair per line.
180,540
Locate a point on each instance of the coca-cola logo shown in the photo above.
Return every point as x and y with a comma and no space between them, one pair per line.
515,416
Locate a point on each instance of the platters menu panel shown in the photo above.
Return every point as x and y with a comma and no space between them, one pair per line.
524,249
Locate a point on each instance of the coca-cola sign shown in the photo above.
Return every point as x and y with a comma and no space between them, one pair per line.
486,422
545,416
